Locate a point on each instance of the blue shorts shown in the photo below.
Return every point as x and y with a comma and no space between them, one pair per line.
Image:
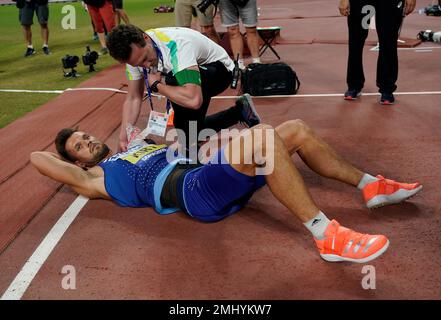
216,190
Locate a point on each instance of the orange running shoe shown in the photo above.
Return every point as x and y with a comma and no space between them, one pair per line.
343,244
384,192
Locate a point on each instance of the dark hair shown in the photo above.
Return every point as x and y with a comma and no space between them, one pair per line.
60,142
121,37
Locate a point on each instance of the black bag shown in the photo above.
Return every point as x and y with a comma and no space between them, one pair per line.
269,79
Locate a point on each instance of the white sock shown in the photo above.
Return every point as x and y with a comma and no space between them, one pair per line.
367,178
317,225
256,60
30,46
45,45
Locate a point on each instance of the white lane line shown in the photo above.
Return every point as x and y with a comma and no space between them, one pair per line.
31,91
324,95
96,89
420,48
416,49
61,91
312,95
30,269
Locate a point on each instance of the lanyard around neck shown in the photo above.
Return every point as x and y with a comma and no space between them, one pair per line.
146,76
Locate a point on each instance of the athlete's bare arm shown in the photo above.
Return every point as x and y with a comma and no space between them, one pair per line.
84,182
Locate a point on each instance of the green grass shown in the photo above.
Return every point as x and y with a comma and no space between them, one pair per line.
41,72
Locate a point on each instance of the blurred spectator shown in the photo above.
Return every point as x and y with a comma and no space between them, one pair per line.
246,10
184,10
95,35
388,20
101,12
119,12
27,8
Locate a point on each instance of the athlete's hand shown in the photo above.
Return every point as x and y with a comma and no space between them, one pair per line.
344,7
410,6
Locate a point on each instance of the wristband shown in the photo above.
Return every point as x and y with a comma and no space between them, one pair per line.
154,86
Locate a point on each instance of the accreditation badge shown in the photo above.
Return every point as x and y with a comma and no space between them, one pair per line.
157,124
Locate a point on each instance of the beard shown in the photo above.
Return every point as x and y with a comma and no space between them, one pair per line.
102,152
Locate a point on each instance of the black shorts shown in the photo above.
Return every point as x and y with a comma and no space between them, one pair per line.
117,4
26,14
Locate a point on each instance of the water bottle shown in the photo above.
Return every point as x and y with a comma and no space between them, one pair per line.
236,73
134,136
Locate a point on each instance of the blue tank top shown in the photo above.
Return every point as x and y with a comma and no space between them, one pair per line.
135,178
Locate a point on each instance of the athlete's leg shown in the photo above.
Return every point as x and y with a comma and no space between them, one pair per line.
316,153
321,158
284,181
262,146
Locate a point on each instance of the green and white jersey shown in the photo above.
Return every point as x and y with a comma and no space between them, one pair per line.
182,48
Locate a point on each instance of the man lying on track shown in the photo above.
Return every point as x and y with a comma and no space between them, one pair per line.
143,176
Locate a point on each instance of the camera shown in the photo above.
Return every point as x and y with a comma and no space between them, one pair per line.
204,4
89,58
434,10
70,62
429,35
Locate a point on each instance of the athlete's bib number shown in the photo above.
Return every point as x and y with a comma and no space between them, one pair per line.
139,154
